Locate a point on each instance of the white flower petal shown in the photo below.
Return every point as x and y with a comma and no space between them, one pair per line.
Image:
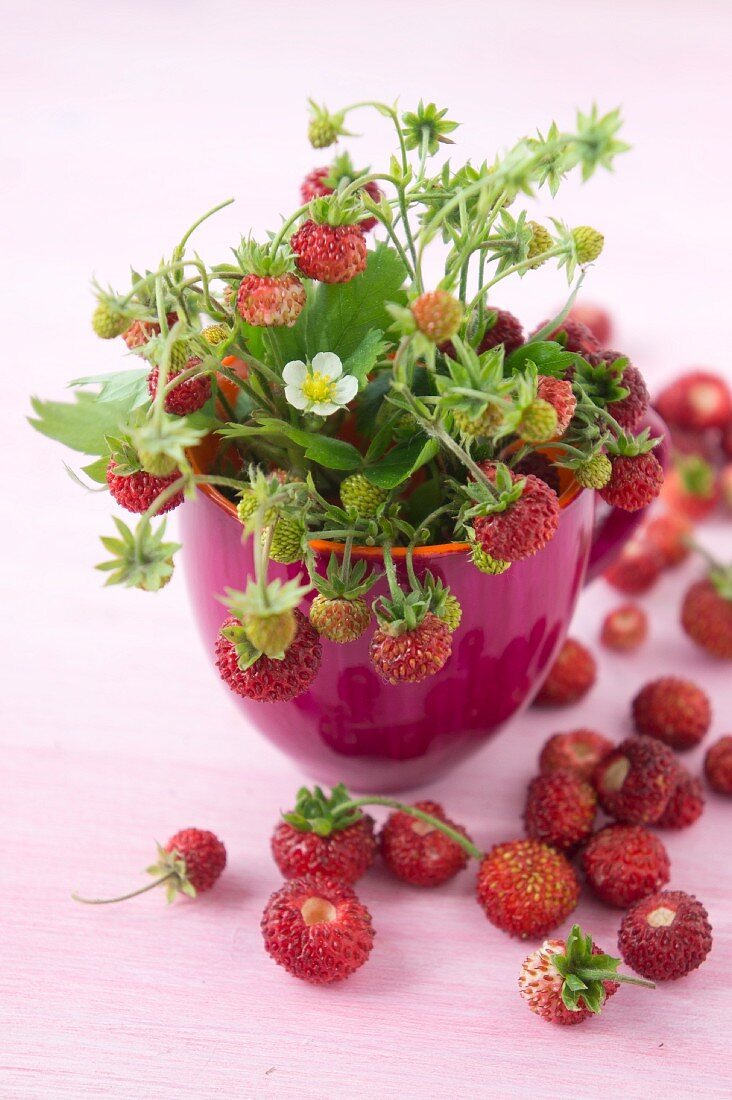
325,408
296,397
328,363
345,389
295,372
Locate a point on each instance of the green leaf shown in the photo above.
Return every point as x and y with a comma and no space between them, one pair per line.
364,358
334,454
126,385
547,356
83,424
401,462
97,471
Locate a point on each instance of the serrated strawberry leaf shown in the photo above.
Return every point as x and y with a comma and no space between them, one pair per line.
83,424
126,385
401,462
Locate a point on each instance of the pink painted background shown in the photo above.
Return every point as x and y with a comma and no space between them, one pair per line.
121,122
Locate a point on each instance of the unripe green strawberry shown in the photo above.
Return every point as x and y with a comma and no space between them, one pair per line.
541,241
287,541
107,323
247,506
485,424
538,421
588,243
358,492
156,464
451,612
179,356
437,315
339,620
486,564
595,473
215,334
271,634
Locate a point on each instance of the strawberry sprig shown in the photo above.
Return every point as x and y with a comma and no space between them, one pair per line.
585,973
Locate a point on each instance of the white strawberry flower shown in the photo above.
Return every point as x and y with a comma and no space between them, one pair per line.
319,387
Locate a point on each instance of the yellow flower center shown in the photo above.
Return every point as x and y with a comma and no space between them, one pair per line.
318,387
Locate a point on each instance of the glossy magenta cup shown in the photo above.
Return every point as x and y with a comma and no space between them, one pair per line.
352,727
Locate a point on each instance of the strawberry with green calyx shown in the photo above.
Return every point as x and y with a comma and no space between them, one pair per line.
566,982
162,442
339,611
691,487
706,610
588,243
484,562
427,128
600,383
541,242
107,322
592,472
442,603
287,541
270,294
513,517
190,863
330,246
325,128
474,390
336,176
637,475
266,614
361,495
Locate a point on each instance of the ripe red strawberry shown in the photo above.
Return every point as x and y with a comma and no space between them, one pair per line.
691,488
665,936
669,533
675,711
636,568
186,397
506,329
579,751
630,409
526,888
635,781
412,655
706,615
136,492
595,318
697,400
725,486
625,629
624,863
560,809
574,335
544,986
269,680
635,481
329,253
140,332
524,527
686,804
317,929
417,852
315,185
268,301
438,315
345,854
190,863
570,678
558,393
339,619
718,765
726,440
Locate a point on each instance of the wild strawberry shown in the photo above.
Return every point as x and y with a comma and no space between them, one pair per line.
268,301
340,620
545,982
636,568
624,863
578,751
691,488
635,481
190,863
268,680
560,809
558,393
215,334
570,677
358,492
140,333
718,765
527,888
325,128
483,424
417,852
288,538
706,614
669,533
629,411
635,781
574,335
317,929
486,564
541,241
404,656
437,315
686,804
503,328
594,473
540,466
595,318
625,628
324,181
524,527
665,936
137,491
588,243
329,253
345,854
108,322
697,400
538,422
675,711
185,397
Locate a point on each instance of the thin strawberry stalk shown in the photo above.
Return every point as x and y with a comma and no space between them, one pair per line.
392,803
125,897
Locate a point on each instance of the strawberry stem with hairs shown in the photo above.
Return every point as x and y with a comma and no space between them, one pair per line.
584,973
124,897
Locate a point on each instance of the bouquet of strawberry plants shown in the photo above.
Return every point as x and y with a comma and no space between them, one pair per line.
346,397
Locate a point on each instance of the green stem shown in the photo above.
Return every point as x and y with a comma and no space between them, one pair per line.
124,897
189,232
394,589
277,240
378,800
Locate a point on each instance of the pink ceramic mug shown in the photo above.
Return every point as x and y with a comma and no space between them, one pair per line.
353,727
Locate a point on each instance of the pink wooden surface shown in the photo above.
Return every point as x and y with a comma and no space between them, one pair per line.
114,730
